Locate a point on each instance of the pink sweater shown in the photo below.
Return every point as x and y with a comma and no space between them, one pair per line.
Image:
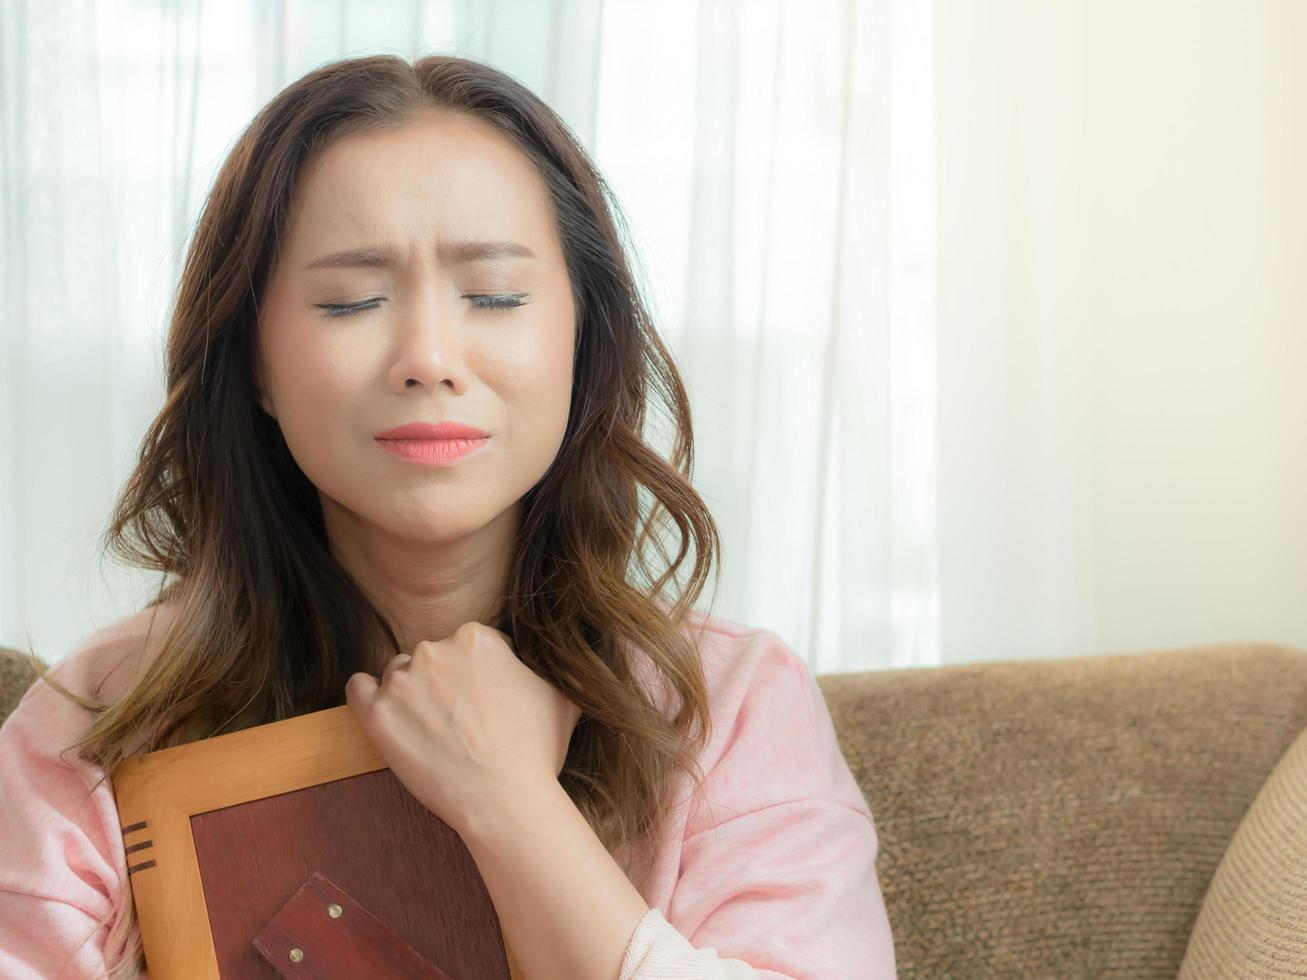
776,878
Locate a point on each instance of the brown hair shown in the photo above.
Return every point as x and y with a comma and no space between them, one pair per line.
269,625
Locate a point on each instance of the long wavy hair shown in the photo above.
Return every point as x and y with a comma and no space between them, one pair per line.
268,625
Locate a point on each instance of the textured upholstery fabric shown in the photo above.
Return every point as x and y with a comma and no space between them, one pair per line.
1062,818
1253,921
15,677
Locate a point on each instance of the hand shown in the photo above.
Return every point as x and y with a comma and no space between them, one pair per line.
463,723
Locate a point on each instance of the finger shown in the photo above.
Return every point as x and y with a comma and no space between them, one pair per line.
360,691
396,662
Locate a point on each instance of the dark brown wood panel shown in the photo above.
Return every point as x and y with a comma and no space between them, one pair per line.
371,838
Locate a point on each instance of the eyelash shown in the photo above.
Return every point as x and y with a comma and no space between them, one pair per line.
505,302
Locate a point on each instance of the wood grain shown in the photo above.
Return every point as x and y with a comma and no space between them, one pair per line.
229,827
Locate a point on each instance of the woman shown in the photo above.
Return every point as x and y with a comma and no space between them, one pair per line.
399,466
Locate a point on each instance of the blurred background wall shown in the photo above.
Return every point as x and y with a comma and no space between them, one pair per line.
1122,317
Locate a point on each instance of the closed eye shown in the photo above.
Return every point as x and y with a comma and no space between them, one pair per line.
498,301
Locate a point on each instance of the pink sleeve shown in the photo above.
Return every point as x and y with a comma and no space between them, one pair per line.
779,872
57,869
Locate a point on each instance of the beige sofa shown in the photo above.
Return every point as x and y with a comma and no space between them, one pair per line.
1057,818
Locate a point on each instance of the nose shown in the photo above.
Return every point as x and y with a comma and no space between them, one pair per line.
429,346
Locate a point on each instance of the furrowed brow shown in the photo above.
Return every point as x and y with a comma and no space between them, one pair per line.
451,253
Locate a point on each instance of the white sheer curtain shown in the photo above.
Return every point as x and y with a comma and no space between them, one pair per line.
774,161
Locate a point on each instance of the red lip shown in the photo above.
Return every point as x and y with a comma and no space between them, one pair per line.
425,430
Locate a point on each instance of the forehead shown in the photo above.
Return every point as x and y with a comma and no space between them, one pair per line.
441,175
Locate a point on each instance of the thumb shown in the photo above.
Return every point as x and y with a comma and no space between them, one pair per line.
360,692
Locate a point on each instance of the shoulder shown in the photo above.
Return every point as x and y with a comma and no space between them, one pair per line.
731,650
750,673
773,739
737,660
743,662
100,667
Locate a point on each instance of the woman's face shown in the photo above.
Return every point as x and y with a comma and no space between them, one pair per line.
352,346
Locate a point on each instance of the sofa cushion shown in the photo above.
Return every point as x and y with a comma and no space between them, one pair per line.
1061,818
1253,921
15,678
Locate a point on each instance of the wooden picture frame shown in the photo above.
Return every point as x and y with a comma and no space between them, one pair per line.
161,795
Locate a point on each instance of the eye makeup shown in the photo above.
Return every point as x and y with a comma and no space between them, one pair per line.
481,301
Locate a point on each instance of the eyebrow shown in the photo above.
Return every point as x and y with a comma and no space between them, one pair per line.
451,252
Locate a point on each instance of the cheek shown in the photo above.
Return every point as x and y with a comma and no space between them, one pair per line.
313,367
314,385
536,382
